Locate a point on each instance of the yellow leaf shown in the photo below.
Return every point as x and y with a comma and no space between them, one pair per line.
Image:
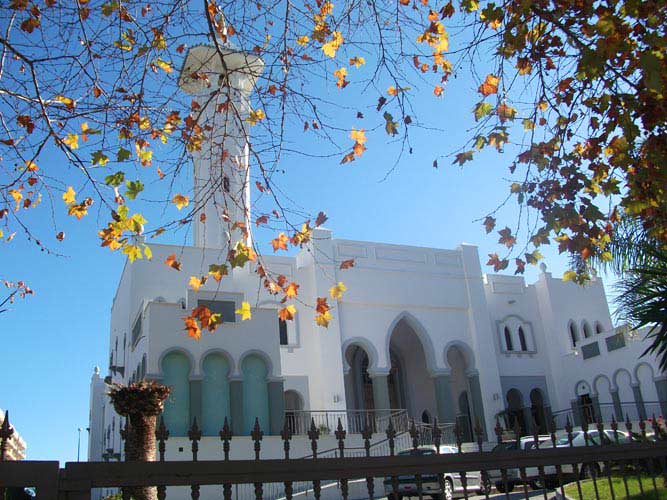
287,313
195,283
133,252
333,45
65,100
244,311
569,275
336,291
392,91
358,135
69,196
72,140
323,319
255,116
303,40
31,166
490,85
180,201
164,65
357,61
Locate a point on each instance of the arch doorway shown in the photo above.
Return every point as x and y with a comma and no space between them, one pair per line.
294,412
538,411
362,384
410,385
515,416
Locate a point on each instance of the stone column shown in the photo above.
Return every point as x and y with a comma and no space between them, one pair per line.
276,406
195,401
477,402
443,399
639,401
349,391
661,388
381,399
618,408
236,405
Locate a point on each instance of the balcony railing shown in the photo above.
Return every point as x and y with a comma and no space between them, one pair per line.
353,421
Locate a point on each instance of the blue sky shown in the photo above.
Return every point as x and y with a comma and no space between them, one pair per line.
52,340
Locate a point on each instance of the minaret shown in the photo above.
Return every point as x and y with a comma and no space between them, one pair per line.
220,79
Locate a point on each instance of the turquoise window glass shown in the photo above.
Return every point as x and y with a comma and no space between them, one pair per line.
176,374
255,394
215,394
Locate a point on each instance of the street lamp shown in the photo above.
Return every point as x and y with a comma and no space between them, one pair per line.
78,445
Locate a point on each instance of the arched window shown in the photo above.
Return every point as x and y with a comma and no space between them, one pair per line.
508,340
587,330
176,374
215,394
522,340
574,334
598,327
255,393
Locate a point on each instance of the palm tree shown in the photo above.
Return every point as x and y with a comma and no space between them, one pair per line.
640,261
141,402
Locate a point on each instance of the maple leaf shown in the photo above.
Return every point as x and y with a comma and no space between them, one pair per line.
255,116
461,158
291,290
31,166
390,126
287,313
72,140
192,327
437,91
357,61
498,265
244,311
241,254
280,243
195,283
520,266
392,91
163,65
490,85
180,201
347,264
506,237
303,40
336,291
262,219
172,262
321,219
340,75
68,102
323,319
489,223
505,112
217,271
69,196
358,135
333,45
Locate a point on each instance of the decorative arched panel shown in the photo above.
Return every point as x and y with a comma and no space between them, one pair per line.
215,393
255,393
176,374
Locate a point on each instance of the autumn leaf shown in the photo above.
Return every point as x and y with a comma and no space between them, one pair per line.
340,75
163,65
287,313
390,126
333,45
172,262
506,237
357,61
195,283
489,223
336,291
69,103
490,85
291,290
69,196
461,158
280,243
180,201
347,264
498,265
505,112
303,40
217,271
255,116
321,219
192,327
392,91
72,140
244,311
323,319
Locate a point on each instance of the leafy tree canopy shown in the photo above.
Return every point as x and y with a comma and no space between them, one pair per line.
92,113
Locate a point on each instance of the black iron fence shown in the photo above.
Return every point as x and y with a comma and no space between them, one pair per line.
600,462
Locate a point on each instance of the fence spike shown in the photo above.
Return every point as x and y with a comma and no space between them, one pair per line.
479,433
286,435
313,435
226,437
655,425
6,432
161,434
600,428
437,434
552,430
568,429
257,436
340,436
391,434
457,435
517,432
195,435
614,427
628,426
367,434
414,434
499,431
642,428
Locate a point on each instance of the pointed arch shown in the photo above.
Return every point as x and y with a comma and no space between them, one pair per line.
573,331
509,345
260,354
586,328
422,335
364,344
466,351
522,339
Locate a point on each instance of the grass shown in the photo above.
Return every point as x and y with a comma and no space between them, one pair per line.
588,489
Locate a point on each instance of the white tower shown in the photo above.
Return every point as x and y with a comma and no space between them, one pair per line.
220,81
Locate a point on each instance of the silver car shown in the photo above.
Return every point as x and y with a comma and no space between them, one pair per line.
452,487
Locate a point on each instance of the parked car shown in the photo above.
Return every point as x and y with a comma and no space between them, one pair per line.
453,488
513,476
594,438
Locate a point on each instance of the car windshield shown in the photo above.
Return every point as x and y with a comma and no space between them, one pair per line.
418,452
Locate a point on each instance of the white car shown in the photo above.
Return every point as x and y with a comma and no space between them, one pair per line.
452,487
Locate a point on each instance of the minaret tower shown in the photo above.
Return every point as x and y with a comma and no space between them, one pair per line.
220,79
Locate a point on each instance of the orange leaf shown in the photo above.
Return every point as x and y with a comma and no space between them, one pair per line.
346,264
287,313
280,243
172,262
490,85
291,290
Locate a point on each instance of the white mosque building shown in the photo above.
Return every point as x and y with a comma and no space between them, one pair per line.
421,333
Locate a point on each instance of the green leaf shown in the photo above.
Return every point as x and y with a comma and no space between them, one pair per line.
482,109
99,158
123,154
115,180
391,127
133,188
